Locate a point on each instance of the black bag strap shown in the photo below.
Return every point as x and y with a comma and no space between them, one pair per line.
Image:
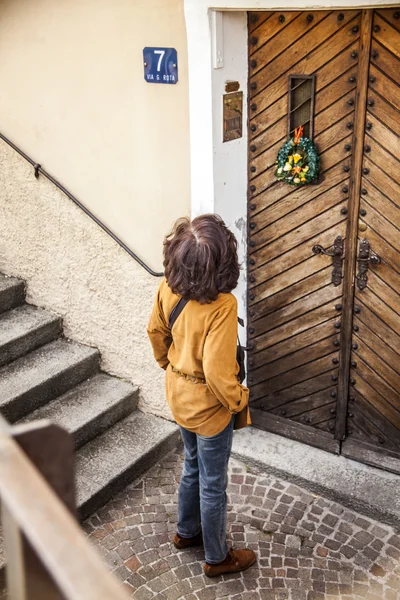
176,311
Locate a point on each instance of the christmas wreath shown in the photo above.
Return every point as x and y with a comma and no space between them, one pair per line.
297,162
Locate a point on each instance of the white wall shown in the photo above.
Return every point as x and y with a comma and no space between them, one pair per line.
230,158
73,96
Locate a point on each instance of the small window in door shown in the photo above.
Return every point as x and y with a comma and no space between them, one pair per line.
301,104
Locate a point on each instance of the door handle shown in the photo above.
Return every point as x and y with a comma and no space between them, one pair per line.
337,256
365,256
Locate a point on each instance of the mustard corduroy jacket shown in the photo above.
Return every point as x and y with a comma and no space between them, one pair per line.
199,357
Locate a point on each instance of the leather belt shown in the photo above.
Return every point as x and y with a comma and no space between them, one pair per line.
191,378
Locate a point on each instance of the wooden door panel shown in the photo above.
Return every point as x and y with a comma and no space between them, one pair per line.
337,47
296,265
340,87
335,155
382,368
378,345
296,218
377,222
385,87
330,159
288,60
332,83
377,342
301,340
291,294
277,45
387,63
256,19
267,30
388,34
269,117
275,193
366,420
339,64
387,147
378,326
292,299
328,426
317,383
387,113
269,137
372,415
382,248
389,296
260,164
320,417
390,405
390,277
293,203
382,310
295,359
380,179
273,247
334,113
285,278
391,15
382,158
298,409
377,401
294,309
383,205
294,377
294,343
329,137
302,323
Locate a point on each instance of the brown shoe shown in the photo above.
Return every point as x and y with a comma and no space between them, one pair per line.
182,543
237,560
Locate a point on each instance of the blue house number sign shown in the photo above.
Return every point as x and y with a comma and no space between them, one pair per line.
160,65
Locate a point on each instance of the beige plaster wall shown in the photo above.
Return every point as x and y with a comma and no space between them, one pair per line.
73,97
76,270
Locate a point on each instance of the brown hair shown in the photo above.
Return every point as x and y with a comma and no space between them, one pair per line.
200,258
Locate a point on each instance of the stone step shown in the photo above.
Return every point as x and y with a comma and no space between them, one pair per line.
25,328
90,408
120,455
42,375
12,292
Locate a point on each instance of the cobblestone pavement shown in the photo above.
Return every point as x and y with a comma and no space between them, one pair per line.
308,548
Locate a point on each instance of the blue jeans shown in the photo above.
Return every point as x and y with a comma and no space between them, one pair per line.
202,491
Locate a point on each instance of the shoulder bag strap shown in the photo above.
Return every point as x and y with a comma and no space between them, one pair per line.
176,311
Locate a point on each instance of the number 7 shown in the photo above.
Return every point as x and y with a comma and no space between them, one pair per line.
161,53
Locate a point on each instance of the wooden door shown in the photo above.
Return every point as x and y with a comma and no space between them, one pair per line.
308,379
373,412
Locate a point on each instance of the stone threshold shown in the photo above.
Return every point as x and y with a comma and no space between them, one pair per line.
370,491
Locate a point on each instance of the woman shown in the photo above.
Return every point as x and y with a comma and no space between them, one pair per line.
202,387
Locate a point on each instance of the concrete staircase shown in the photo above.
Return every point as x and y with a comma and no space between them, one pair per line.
45,376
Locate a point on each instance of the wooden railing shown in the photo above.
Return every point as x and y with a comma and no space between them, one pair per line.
48,555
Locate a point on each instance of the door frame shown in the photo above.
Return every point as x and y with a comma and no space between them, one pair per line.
219,171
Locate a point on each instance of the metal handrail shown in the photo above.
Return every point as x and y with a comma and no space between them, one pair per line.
38,169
